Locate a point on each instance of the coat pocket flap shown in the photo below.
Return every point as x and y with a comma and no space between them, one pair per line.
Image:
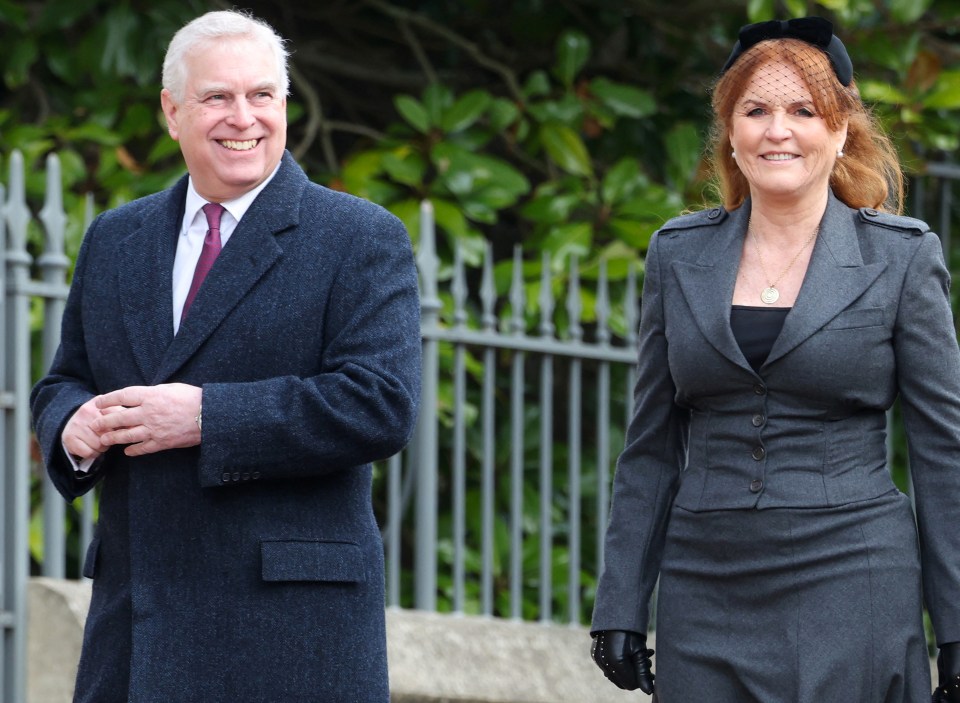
858,317
298,560
90,560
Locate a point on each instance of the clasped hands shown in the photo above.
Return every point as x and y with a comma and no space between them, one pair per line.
624,659
147,419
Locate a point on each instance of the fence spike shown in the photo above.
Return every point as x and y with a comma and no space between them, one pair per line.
546,298
574,304
518,300
602,306
488,291
458,287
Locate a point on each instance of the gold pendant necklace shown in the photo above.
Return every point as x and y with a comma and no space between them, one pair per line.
770,294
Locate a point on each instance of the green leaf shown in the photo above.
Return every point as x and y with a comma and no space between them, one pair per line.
503,113
621,180
405,166
946,92
796,8
465,111
449,216
17,67
573,50
413,111
567,109
571,238
436,99
551,208
683,151
877,91
632,232
537,85
360,169
908,11
760,10
624,100
566,149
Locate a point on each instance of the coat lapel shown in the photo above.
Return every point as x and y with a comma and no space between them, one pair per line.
835,278
707,285
145,265
250,252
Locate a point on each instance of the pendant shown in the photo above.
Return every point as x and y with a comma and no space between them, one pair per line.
769,295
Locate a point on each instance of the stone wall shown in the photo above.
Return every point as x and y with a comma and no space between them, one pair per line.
433,658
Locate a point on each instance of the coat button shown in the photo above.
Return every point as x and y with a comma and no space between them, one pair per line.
714,213
871,212
756,485
759,388
758,420
758,453
245,476
236,476
225,478
255,475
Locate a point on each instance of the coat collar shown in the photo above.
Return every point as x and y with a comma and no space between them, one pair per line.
146,263
836,276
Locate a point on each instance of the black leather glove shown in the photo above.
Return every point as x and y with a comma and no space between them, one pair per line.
624,659
948,668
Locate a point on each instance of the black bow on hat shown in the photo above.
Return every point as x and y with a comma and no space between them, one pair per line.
813,30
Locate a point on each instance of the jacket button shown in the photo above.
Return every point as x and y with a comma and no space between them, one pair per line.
871,212
714,213
756,485
225,478
255,475
757,420
758,453
245,476
759,389
236,476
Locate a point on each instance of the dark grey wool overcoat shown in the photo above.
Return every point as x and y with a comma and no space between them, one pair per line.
248,568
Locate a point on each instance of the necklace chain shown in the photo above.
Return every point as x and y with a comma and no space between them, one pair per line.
770,294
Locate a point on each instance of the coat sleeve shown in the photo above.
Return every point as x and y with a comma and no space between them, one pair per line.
67,386
363,404
928,375
646,476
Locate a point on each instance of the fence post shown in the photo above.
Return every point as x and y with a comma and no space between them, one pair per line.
425,456
53,263
15,499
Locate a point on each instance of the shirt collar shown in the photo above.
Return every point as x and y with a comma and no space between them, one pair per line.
237,207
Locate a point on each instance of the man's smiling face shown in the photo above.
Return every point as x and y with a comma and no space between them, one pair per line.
232,121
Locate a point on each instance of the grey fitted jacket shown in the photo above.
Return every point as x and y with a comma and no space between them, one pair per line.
872,322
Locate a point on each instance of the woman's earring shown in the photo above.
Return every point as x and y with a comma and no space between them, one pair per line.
733,154
839,153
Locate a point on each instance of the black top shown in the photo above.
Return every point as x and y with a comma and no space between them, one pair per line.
756,329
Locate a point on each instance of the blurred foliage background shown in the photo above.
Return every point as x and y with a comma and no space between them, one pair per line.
572,127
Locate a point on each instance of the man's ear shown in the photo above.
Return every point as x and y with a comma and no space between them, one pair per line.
170,110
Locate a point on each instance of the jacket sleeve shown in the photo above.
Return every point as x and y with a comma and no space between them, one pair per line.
67,386
363,404
646,476
928,375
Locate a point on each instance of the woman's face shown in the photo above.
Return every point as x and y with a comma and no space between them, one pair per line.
782,146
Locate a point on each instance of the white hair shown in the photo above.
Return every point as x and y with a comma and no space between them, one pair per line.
218,25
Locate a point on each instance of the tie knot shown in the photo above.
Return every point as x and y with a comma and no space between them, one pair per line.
213,211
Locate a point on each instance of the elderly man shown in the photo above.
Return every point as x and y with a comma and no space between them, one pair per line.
236,350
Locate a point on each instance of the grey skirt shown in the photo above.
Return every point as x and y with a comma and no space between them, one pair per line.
812,605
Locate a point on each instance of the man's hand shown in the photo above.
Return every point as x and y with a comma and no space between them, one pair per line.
149,418
79,437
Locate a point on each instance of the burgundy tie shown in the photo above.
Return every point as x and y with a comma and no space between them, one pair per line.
211,247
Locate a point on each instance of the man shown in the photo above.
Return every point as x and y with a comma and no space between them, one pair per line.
231,419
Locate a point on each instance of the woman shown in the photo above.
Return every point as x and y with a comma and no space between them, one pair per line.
775,334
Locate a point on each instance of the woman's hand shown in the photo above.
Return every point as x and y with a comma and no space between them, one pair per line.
624,659
948,669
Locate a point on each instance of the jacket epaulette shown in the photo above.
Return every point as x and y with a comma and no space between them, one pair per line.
701,218
901,223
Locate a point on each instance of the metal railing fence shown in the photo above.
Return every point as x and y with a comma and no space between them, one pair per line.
497,506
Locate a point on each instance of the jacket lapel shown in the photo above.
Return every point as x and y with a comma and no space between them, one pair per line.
250,252
707,285
835,278
145,265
